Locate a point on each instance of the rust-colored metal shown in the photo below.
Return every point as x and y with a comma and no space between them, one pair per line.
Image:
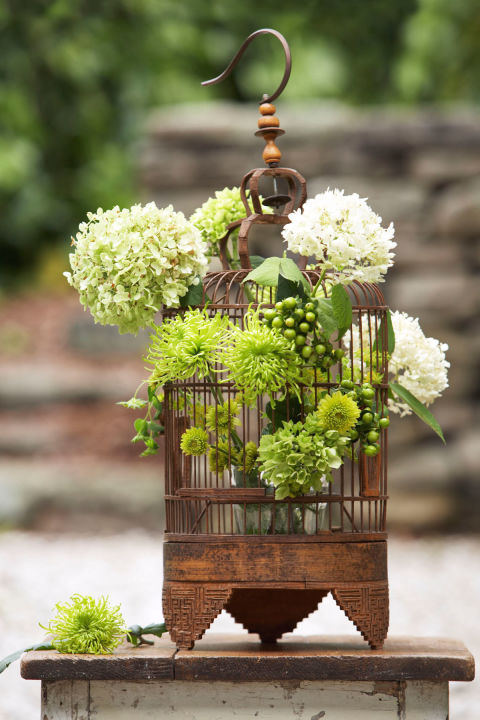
269,124
230,543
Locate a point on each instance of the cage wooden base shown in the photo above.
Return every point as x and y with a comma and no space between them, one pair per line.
270,587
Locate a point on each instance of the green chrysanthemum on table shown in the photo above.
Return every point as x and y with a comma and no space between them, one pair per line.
194,441
260,360
219,456
338,412
222,418
213,217
185,345
86,625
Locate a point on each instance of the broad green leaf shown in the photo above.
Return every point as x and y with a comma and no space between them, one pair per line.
417,407
342,307
289,288
194,295
290,270
326,316
266,273
154,629
390,336
140,426
256,260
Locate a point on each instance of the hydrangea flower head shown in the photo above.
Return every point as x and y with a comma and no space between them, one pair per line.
86,625
344,235
127,263
338,412
216,213
185,345
259,359
300,456
418,363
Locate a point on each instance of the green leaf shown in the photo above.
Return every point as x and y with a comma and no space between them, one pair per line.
342,307
266,273
140,426
417,407
325,315
289,288
157,629
290,270
6,661
194,295
256,260
287,409
390,336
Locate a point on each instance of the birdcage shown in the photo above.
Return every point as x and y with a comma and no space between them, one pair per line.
230,542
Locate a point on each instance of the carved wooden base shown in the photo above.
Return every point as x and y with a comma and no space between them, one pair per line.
270,587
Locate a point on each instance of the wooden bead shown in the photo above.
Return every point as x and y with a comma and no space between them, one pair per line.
267,109
268,121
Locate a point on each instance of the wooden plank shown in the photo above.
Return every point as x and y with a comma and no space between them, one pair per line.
283,700
323,537
265,563
128,663
66,700
242,658
324,658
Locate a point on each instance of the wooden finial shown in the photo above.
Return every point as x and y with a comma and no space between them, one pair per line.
269,128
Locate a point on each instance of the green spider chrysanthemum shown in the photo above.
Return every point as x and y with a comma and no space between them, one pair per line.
194,441
222,418
219,456
185,345
86,625
259,359
338,412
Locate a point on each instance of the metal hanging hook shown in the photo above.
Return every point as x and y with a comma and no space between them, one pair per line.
236,58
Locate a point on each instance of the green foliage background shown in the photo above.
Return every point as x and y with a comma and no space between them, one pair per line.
77,78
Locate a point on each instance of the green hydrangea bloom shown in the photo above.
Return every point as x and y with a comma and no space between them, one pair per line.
300,456
86,625
128,263
213,217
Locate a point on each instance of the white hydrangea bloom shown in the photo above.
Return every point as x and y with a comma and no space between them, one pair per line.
417,362
127,263
344,235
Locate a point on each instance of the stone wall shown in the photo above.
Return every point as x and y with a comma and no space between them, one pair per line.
419,169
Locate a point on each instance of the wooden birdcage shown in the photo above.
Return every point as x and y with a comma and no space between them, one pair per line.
230,543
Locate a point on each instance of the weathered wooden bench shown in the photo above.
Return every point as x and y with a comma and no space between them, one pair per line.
335,678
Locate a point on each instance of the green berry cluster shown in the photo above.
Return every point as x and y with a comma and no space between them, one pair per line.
298,321
370,424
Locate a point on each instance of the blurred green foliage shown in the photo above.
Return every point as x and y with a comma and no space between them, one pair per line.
78,77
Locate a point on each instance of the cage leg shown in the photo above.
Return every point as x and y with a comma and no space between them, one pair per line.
272,612
190,609
366,606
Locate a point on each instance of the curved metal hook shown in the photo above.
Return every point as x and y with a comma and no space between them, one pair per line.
234,61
